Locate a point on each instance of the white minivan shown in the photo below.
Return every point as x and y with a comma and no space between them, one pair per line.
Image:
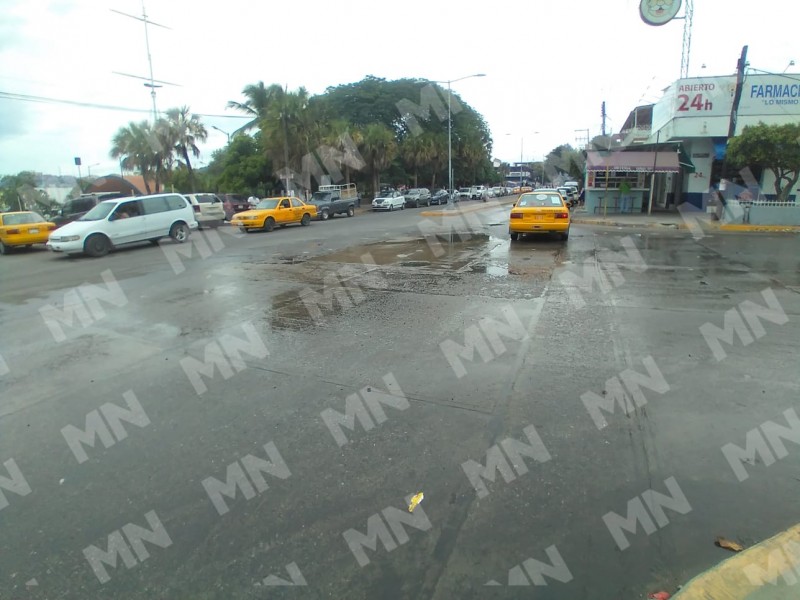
113,223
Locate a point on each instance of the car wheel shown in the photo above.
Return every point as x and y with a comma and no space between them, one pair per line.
269,224
97,245
351,211
305,220
154,241
514,237
565,236
403,206
324,215
179,232
4,249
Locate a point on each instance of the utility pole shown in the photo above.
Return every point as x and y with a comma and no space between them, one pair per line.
151,83
737,96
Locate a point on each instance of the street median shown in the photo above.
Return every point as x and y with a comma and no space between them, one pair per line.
765,571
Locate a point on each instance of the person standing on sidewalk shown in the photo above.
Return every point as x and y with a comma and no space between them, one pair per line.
625,198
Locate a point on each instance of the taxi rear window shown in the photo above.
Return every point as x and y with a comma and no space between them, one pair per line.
540,200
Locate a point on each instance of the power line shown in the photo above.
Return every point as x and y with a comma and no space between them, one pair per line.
47,100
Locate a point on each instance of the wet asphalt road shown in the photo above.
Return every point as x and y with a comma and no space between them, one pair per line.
299,362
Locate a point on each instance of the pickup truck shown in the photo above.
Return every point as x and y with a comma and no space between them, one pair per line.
333,200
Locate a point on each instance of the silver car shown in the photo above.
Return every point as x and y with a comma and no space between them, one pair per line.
208,208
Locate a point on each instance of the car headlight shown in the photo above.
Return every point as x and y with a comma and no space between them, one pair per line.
65,238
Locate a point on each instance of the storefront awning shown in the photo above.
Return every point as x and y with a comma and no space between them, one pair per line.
665,162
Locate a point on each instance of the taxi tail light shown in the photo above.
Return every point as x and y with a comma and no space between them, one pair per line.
12,230
562,215
51,227
516,215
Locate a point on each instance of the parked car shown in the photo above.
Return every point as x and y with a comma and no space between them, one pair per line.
440,197
477,192
113,223
418,197
569,194
233,203
208,208
389,201
463,193
330,203
542,211
75,208
22,229
281,211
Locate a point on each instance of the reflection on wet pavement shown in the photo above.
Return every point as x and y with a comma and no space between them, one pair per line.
467,265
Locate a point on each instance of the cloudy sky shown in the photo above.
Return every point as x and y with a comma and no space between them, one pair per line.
549,63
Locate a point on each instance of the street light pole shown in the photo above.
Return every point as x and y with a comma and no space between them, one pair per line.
450,128
449,146
221,131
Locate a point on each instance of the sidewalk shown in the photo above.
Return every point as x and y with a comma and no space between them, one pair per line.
766,571
664,220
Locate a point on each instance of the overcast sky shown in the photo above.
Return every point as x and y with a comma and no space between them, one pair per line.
549,63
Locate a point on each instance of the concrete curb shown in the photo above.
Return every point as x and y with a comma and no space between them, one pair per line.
471,209
610,223
752,574
771,228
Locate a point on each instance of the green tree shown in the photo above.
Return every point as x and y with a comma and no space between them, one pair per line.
565,160
258,98
379,149
772,147
241,167
416,151
18,192
187,131
139,148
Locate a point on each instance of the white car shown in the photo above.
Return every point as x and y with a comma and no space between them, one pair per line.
113,223
389,201
208,209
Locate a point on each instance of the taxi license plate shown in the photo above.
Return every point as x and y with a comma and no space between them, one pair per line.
34,230
539,217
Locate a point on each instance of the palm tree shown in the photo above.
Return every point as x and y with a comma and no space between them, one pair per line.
287,130
257,100
379,149
137,144
346,139
187,130
417,151
438,159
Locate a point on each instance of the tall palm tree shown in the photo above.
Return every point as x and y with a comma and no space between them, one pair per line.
287,131
134,143
438,158
258,98
187,130
416,151
379,149
346,139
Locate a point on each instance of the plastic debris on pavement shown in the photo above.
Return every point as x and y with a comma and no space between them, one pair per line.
660,596
415,500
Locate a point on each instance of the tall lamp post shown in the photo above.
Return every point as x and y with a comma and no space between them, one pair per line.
450,129
221,131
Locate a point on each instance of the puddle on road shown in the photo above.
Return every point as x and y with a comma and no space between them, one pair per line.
437,252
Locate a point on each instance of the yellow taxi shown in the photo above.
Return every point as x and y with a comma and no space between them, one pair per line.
541,211
270,212
23,229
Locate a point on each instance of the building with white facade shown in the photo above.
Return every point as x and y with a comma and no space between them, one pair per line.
692,120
